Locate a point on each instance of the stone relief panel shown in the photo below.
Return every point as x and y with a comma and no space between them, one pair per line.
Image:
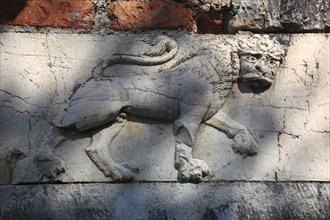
135,107
189,93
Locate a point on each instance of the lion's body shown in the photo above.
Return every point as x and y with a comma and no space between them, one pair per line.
161,95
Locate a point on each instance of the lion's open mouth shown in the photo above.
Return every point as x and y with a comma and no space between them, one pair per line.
255,80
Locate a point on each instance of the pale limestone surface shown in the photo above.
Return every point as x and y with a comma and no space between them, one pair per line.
292,118
290,121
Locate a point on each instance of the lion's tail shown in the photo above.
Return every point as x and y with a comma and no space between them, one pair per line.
159,50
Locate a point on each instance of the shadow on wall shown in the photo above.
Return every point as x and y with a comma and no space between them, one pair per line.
21,139
27,111
9,9
74,199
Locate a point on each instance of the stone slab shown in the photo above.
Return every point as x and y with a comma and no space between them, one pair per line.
280,201
274,16
259,16
40,71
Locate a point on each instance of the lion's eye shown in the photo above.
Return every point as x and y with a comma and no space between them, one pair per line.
272,62
251,58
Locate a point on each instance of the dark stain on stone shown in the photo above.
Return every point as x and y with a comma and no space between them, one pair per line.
209,214
317,65
158,214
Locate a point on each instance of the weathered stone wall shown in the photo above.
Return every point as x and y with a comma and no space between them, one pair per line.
167,201
50,49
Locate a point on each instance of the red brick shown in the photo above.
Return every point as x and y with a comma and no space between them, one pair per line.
210,26
165,14
61,13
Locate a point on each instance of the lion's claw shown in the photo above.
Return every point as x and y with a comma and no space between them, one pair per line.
123,172
244,144
133,166
192,170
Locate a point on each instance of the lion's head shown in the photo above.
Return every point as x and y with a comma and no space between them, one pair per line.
260,58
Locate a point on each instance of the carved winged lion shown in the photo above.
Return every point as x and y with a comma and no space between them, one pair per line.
192,91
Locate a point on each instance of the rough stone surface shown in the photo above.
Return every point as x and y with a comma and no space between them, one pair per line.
210,16
280,201
150,15
262,16
63,13
285,15
305,15
290,121
207,5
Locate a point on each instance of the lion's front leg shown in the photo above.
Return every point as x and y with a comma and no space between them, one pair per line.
244,144
189,169
185,129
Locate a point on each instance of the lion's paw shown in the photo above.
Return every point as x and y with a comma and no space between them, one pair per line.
244,144
192,170
49,165
132,165
120,173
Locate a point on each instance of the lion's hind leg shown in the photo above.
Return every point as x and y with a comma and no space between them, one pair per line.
99,152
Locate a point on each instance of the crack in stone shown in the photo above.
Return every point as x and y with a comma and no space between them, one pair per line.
16,110
22,99
326,103
50,64
36,84
272,106
180,100
279,147
284,107
29,136
157,93
47,56
321,132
